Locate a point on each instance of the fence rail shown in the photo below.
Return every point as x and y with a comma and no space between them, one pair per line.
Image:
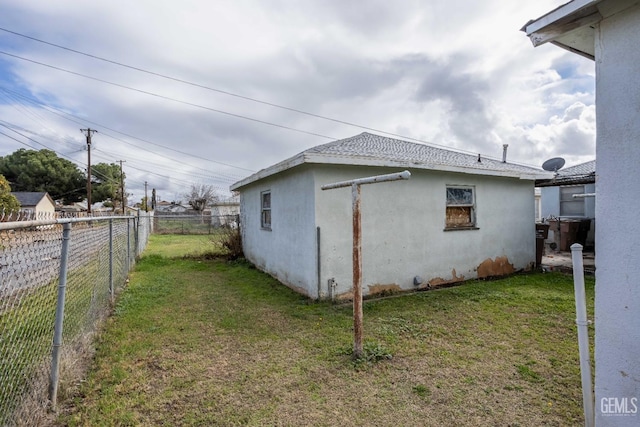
58,278
192,224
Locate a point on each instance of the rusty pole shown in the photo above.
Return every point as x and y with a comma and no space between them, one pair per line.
357,272
357,247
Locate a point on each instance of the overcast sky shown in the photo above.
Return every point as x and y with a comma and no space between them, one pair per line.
455,73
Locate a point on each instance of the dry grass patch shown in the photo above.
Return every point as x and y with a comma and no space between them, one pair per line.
208,342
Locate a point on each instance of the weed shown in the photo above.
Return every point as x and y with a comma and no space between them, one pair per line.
372,352
422,390
529,374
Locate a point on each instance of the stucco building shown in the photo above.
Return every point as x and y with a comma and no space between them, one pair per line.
459,217
608,31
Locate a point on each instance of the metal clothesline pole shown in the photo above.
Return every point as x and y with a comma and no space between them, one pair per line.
357,248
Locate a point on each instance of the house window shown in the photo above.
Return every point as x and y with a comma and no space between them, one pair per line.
265,212
570,206
460,208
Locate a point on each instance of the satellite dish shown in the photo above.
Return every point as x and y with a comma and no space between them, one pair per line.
553,165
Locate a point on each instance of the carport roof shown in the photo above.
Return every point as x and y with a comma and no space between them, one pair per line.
368,149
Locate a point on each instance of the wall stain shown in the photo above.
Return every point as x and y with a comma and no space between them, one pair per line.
492,268
437,281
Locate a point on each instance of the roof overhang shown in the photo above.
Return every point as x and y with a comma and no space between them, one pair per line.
312,158
559,181
570,26
573,25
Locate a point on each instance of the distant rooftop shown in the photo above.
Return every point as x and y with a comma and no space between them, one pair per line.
29,198
374,150
584,173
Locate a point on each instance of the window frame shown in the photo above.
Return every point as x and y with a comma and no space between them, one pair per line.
564,201
265,211
472,224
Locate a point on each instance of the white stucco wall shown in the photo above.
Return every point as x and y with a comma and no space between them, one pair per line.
402,228
288,250
617,311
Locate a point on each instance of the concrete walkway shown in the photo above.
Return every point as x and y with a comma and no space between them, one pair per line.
561,261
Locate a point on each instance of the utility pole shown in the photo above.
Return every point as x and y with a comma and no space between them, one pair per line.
88,134
122,184
146,200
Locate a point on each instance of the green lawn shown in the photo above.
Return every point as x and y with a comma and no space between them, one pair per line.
198,341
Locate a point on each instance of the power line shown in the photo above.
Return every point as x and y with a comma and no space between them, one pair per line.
83,121
247,98
191,104
271,104
224,92
95,173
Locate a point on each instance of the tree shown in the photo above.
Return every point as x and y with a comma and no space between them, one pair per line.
8,202
143,204
43,170
106,183
200,196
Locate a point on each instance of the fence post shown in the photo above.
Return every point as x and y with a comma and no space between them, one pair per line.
128,245
57,331
136,237
111,259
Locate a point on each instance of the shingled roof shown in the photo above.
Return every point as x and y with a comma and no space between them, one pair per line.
30,198
584,173
374,150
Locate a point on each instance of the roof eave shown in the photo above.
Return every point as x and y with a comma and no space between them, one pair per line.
366,161
570,26
271,170
313,158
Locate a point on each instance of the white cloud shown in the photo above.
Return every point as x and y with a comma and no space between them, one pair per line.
456,73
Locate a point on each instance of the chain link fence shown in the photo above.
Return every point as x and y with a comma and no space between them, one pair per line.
58,279
193,224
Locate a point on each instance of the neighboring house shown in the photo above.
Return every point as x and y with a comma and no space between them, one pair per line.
459,217
557,201
224,212
167,208
608,31
38,204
